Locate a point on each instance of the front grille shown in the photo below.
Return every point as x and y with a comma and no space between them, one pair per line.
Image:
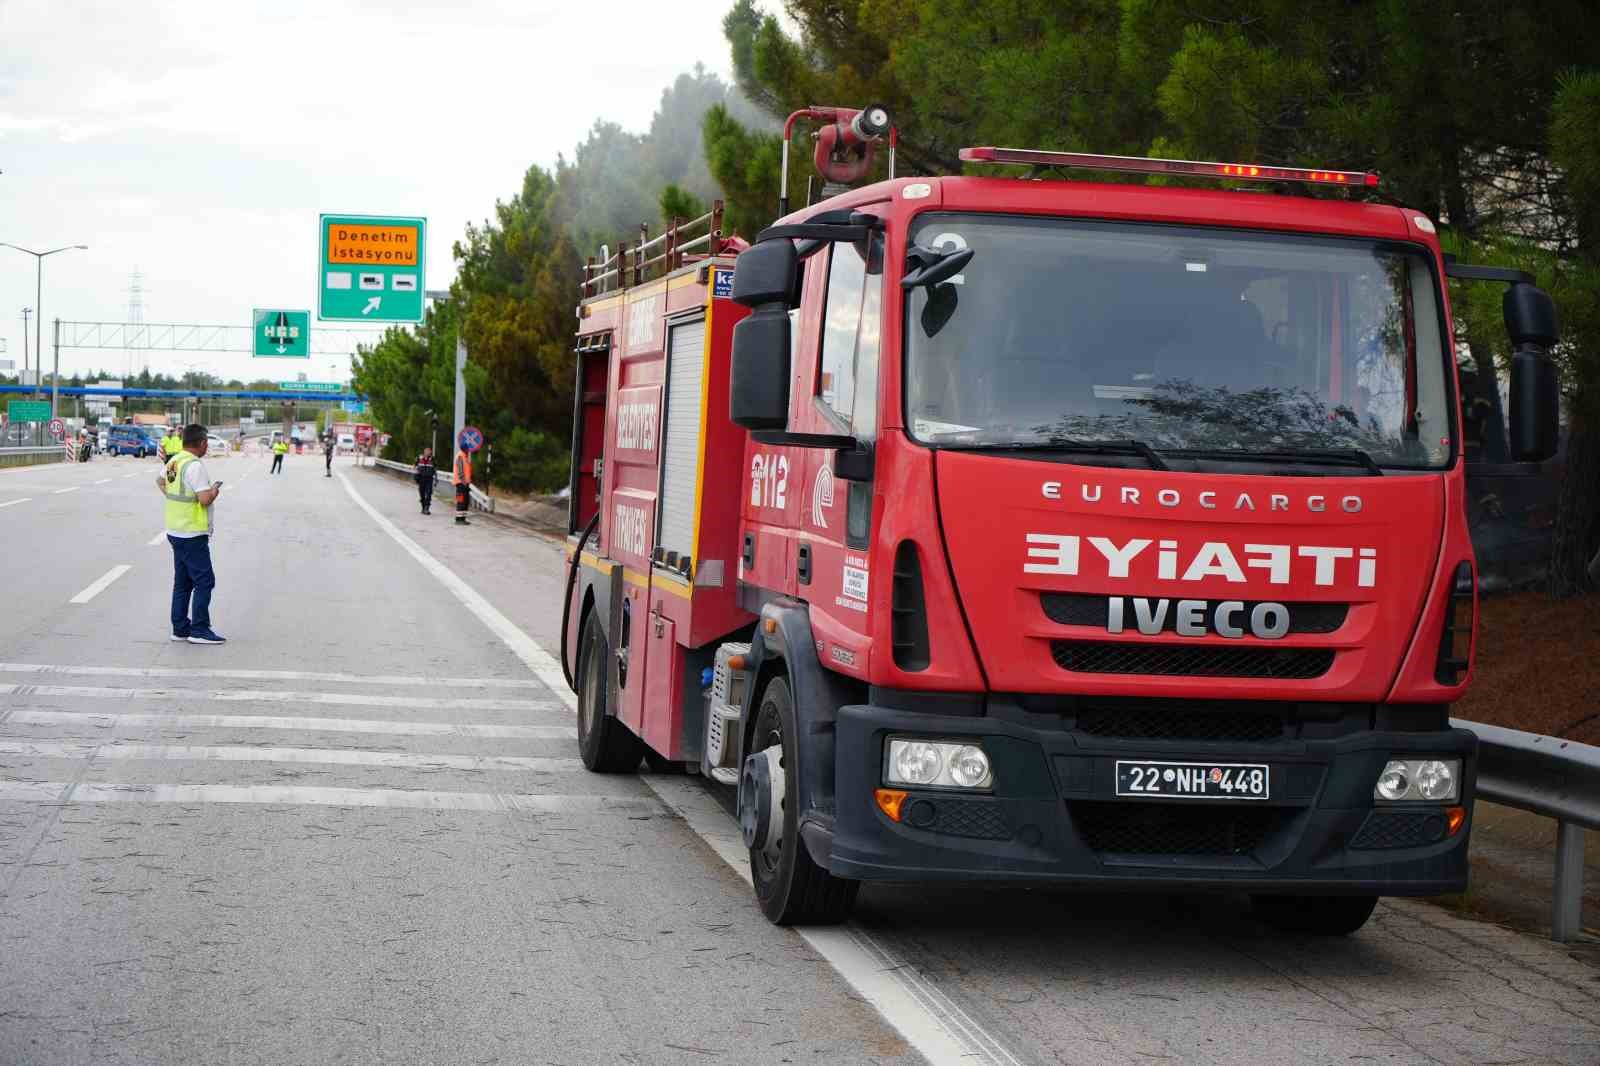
962,818
1078,609
1190,660
1174,829
1179,722
1400,829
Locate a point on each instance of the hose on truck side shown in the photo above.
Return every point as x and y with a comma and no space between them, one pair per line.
566,610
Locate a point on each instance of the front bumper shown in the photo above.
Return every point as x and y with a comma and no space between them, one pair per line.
1054,816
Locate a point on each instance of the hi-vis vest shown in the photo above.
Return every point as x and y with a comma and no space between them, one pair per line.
171,445
184,512
280,447
463,471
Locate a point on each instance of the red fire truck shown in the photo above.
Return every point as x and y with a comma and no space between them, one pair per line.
991,527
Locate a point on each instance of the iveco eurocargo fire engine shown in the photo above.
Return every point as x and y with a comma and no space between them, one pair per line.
1012,528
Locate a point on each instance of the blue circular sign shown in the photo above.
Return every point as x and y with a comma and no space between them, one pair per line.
471,439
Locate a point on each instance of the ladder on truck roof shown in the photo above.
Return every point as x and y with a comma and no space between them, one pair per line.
633,264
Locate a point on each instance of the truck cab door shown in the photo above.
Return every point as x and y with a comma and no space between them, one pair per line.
840,395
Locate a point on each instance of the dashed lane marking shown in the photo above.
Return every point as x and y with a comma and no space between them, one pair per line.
245,695
157,539
276,675
930,1021
96,589
13,503
54,749
289,722
298,795
102,481
73,488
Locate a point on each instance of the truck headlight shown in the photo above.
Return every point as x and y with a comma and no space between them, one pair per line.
937,764
1413,780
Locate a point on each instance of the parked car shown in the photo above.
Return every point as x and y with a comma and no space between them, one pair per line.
138,441
347,442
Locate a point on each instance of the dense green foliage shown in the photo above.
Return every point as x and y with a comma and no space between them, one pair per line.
1483,113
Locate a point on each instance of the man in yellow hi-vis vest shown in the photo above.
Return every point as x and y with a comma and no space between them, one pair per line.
280,448
190,493
463,476
171,444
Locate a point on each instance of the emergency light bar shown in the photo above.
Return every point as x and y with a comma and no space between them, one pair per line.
1179,167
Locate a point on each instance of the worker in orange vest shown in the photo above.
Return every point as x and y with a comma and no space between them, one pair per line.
463,477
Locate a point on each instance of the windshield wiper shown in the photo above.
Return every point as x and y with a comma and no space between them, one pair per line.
1065,444
1345,456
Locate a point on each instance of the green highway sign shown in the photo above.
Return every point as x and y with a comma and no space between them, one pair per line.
285,334
369,268
28,410
307,386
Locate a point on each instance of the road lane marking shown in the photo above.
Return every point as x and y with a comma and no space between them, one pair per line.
298,795
275,675
245,695
536,659
13,503
102,481
287,722
58,492
53,749
929,1020
94,590
157,539
127,476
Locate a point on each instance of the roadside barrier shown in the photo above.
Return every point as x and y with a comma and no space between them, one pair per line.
1557,778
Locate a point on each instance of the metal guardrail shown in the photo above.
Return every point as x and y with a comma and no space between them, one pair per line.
480,499
50,454
1557,778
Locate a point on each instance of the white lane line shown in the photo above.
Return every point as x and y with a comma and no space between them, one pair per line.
288,722
94,590
127,476
245,695
536,659
929,1020
157,539
102,481
13,503
58,492
296,795
274,675
53,749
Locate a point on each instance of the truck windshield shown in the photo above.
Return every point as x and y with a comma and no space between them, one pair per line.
1181,338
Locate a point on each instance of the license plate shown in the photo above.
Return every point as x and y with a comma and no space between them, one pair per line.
1194,780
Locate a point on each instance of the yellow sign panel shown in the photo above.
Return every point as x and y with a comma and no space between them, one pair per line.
354,243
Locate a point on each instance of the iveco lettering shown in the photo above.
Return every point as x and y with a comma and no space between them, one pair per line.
1011,528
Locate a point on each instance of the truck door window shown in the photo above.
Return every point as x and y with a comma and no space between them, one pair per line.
847,378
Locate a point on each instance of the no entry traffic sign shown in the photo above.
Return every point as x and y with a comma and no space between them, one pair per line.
471,439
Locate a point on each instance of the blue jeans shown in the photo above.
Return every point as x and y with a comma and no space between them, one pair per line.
191,575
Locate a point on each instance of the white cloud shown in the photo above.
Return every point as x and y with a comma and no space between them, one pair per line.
198,140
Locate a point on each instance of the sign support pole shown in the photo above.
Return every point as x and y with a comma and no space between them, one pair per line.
461,387
55,375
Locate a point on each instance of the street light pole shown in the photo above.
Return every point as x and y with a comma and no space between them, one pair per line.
38,303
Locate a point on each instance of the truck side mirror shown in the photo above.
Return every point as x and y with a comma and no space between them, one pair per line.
758,388
1531,323
764,279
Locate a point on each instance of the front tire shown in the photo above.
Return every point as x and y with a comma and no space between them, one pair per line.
605,744
790,887
1316,915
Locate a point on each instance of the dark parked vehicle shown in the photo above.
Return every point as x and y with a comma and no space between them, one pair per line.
137,441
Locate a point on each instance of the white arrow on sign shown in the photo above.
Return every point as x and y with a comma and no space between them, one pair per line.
372,304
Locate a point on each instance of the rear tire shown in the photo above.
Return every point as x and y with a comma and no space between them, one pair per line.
790,887
605,744
1317,915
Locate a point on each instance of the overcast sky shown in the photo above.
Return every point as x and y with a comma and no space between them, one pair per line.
198,140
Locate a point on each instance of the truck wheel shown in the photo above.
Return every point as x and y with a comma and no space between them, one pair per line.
1318,915
605,744
791,888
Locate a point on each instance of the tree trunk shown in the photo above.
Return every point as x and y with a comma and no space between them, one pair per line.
1577,515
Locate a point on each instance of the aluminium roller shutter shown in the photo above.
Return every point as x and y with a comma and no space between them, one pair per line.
680,448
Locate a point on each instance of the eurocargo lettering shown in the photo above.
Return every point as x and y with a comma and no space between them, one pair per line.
982,528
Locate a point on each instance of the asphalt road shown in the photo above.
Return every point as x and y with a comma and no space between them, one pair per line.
359,833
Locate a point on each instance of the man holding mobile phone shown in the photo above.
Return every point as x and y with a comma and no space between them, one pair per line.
190,494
